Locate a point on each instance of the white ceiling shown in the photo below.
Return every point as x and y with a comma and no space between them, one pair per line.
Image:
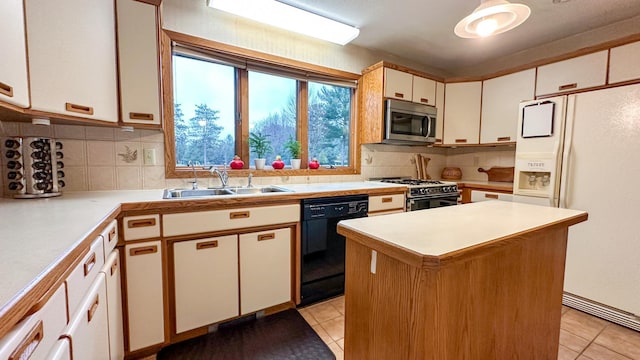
422,30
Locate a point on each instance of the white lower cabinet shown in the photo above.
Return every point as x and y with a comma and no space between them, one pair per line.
206,281
61,350
34,336
265,269
145,305
111,271
87,328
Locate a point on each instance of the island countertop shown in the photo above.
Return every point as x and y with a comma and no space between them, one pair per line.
437,234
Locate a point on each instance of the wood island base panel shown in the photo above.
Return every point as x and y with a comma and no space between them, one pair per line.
499,299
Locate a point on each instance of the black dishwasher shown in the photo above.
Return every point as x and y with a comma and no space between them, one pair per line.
323,249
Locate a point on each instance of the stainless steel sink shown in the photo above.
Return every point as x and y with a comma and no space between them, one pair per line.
187,193
257,190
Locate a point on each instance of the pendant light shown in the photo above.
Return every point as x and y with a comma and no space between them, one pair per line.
492,17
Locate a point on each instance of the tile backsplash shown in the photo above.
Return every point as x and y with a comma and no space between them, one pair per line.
102,158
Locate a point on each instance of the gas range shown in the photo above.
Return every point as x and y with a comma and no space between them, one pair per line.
424,188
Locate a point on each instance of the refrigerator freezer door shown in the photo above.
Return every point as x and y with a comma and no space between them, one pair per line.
602,253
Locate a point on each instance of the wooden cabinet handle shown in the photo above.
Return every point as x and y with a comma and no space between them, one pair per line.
141,223
207,245
87,110
504,138
387,199
6,89
438,140
400,95
140,116
458,141
568,86
89,264
423,100
491,196
143,250
114,267
269,236
93,308
29,344
239,215
112,234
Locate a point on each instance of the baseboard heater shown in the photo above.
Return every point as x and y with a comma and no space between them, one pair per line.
602,311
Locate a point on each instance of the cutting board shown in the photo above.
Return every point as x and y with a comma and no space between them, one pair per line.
496,173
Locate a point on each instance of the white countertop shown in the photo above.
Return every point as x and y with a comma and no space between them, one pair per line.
36,234
439,231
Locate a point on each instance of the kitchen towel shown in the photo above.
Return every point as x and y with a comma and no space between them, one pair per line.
283,336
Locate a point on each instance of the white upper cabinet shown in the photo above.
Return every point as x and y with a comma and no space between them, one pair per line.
577,73
424,91
14,86
462,113
405,86
398,84
500,99
72,57
139,67
623,63
440,112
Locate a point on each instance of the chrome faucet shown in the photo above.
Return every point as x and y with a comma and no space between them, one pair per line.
223,175
194,183
249,185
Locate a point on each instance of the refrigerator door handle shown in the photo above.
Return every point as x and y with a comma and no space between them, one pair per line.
567,154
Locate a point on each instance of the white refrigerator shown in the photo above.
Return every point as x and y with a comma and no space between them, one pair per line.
597,172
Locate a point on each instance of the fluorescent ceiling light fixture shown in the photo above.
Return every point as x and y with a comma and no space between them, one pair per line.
290,18
492,17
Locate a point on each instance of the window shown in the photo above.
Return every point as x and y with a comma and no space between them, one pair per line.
215,99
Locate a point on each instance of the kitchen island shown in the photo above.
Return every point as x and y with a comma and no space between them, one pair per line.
475,281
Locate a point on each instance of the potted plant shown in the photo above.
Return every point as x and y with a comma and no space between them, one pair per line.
293,146
261,146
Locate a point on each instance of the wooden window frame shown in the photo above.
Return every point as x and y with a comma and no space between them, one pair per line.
242,128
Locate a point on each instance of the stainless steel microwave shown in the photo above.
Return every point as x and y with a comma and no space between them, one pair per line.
409,123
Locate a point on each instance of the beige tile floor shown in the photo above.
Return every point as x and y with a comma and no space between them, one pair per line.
582,336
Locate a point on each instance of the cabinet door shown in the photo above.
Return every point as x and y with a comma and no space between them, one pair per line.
398,84
206,281
14,87
424,91
440,112
623,63
138,57
462,113
111,270
145,305
72,57
88,329
500,99
265,269
572,74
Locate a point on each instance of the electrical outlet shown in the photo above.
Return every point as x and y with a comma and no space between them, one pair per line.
149,156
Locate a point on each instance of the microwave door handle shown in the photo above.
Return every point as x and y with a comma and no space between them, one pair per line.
428,120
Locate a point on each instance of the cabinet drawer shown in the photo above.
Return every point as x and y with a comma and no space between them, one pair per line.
141,227
88,329
386,202
572,74
33,337
110,237
85,272
216,220
477,196
623,63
